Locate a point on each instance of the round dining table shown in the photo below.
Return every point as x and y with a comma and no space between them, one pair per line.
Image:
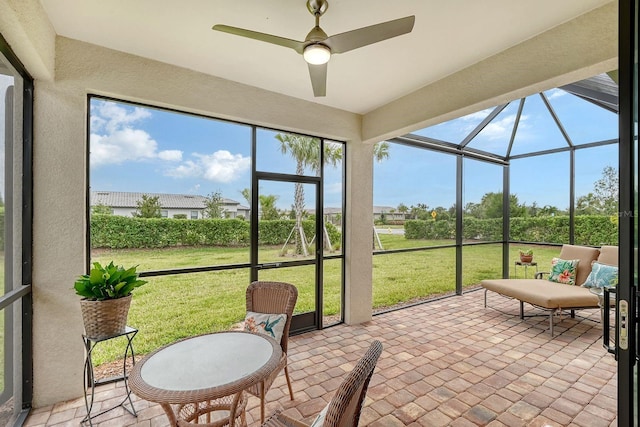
202,379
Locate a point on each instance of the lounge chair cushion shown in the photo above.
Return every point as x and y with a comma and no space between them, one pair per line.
271,325
564,270
608,255
585,254
543,293
601,275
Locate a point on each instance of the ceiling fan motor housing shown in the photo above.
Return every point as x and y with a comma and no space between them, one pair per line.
317,7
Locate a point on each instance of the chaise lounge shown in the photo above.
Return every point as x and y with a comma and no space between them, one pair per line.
553,296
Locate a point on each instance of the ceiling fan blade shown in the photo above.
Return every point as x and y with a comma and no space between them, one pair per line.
318,75
280,41
344,42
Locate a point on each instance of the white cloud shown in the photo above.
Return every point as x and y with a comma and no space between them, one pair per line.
188,169
221,166
121,146
480,115
114,139
114,117
500,129
555,93
170,155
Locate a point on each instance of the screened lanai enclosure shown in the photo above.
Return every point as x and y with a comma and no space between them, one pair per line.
530,174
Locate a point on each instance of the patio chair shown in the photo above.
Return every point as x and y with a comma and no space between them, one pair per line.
272,298
345,407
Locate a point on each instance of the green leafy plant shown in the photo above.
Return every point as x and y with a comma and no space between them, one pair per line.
526,252
110,282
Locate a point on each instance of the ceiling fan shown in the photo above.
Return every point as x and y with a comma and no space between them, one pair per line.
317,47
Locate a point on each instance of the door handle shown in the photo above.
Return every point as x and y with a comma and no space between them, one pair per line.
269,265
623,322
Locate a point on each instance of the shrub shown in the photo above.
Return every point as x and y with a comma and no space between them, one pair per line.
118,232
595,230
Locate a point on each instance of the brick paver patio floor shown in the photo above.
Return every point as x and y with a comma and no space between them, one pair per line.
449,362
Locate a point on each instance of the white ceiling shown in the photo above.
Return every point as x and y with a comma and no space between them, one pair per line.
447,37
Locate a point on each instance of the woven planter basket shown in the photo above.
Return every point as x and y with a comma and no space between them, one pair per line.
106,318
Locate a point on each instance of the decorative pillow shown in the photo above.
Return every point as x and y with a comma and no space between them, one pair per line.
601,275
319,421
265,323
563,271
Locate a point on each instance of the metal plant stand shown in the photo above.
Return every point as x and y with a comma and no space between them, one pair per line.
89,375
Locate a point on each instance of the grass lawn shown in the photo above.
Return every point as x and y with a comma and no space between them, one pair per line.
172,307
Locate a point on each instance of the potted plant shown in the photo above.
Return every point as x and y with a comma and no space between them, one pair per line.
106,293
526,255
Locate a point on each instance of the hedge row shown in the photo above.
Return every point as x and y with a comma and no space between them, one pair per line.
118,232
589,229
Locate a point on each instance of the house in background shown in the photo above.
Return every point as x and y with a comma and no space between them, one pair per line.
389,213
125,204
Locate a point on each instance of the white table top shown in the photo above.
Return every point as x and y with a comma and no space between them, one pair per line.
214,365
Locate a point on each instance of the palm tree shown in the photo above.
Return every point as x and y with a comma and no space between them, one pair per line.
268,207
306,151
381,151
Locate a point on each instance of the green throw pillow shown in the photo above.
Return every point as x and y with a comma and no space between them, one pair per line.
601,275
564,271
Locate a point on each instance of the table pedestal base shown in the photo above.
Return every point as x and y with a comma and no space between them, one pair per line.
227,411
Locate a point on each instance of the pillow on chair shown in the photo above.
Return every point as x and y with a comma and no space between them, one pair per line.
564,271
601,275
271,325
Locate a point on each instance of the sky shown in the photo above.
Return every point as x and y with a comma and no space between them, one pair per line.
148,150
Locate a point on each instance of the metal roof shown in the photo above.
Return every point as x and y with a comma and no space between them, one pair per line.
601,90
119,199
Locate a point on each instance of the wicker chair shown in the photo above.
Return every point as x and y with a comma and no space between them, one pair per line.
273,298
346,405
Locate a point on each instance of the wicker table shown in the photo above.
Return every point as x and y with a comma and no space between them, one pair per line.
202,379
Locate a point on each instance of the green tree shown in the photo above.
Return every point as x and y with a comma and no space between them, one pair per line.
606,190
588,205
213,205
268,210
383,218
442,213
148,207
306,152
381,151
604,198
420,211
246,193
490,206
548,210
100,209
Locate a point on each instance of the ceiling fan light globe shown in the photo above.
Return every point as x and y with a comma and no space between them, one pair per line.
317,54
